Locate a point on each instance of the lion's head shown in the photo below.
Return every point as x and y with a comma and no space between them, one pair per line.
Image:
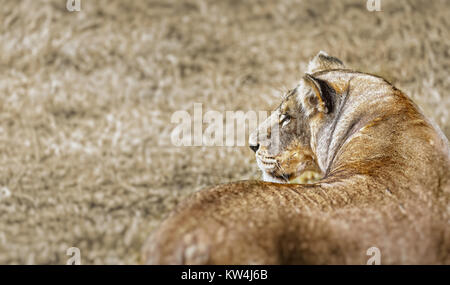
283,142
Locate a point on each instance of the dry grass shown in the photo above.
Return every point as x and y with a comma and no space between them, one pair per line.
86,100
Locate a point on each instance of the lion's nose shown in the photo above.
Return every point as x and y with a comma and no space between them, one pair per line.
254,147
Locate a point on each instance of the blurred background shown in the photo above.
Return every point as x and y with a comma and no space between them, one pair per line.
86,100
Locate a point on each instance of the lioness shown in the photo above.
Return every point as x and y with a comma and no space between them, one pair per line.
385,183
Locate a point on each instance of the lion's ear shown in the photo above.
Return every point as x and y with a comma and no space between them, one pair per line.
322,61
319,95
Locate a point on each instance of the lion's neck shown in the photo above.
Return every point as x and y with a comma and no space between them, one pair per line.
328,138
353,112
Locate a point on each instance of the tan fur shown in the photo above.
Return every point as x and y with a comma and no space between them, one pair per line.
385,183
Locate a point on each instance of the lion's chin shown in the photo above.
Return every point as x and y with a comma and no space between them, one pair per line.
305,177
267,177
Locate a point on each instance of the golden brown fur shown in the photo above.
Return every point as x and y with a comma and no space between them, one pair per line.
385,183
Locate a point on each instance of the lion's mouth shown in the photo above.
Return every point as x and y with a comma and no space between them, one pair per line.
272,170
267,163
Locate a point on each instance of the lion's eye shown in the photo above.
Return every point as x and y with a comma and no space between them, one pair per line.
284,120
